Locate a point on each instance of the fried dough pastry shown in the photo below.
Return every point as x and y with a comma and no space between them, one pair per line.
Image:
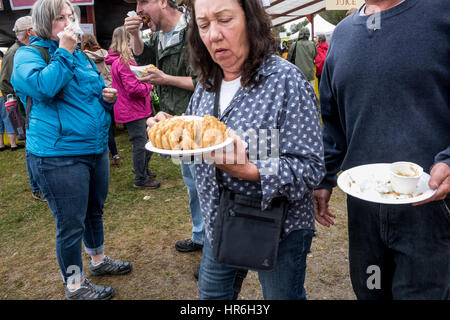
179,134
150,67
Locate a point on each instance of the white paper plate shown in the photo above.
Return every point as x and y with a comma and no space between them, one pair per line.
180,153
368,182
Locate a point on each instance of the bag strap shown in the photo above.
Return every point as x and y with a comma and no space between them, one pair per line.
216,114
216,103
43,51
241,274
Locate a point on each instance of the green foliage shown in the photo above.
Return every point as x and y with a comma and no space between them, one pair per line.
333,16
297,26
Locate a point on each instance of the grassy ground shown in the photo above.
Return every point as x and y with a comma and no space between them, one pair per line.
140,231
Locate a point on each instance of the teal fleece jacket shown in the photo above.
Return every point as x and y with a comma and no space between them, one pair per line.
68,114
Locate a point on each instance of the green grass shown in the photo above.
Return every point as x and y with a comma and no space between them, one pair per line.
140,231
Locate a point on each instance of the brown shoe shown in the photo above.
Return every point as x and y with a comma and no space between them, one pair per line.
150,173
150,184
116,161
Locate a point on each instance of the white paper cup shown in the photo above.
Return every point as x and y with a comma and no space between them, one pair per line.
405,176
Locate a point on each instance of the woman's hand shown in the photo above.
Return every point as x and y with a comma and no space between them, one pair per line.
160,116
236,161
110,95
68,40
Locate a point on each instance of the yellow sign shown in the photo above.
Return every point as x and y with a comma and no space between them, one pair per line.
343,4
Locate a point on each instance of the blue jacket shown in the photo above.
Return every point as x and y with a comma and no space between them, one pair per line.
68,115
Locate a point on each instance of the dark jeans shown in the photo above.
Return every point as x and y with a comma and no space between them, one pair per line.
284,282
111,140
75,189
399,251
137,132
33,184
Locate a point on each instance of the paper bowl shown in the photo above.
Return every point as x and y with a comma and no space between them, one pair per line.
405,176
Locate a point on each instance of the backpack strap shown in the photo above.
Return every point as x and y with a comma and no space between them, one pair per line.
46,56
91,62
43,51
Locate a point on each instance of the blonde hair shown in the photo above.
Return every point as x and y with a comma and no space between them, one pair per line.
119,44
44,13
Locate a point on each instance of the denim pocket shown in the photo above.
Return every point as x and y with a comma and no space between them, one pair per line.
49,163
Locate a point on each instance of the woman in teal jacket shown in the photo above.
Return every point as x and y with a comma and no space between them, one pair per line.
67,142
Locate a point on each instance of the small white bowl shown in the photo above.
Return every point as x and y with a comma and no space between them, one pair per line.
405,176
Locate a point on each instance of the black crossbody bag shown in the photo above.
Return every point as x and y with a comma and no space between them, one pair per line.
245,236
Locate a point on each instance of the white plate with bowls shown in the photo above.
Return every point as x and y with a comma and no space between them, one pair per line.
371,182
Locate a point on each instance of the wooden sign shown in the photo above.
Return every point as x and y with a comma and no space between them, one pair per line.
343,4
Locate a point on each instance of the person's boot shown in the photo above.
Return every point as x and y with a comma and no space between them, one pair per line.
38,195
150,184
187,246
150,173
116,161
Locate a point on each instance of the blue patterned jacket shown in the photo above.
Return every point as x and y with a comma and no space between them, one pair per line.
280,115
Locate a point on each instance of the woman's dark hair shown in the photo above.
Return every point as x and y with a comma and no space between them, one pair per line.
321,38
261,44
89,42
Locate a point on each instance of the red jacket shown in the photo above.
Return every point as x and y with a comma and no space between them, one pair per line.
133,102
322,50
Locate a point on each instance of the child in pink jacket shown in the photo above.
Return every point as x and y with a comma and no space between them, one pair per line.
133,106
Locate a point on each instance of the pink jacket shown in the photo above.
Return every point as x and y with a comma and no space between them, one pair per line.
133,102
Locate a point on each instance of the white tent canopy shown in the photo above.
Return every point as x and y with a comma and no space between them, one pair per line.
321,26
285,11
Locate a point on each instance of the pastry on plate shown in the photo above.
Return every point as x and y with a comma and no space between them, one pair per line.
179,133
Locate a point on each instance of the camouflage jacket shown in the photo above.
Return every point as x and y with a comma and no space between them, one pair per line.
173,59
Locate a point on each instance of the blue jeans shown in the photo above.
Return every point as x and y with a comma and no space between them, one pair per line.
399,251
75,188
5,123
198,229
284,282
33,183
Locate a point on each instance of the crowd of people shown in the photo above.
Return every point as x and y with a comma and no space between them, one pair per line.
209,62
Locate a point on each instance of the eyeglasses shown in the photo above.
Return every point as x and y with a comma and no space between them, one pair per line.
23,30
